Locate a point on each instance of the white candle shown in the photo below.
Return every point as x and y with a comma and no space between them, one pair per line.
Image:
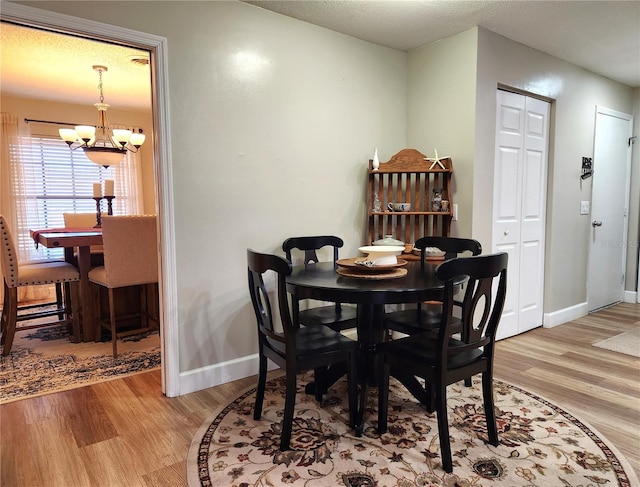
108,187
97,190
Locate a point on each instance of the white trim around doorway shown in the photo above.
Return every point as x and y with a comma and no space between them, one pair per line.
33,17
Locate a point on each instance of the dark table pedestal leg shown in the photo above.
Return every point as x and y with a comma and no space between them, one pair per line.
370,333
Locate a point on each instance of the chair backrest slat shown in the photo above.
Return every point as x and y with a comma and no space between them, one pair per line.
452,246
482,305
309,245
257,265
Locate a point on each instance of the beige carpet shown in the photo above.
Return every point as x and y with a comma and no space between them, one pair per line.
627,343
540,444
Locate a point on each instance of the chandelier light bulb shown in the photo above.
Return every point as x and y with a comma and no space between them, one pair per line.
121,136
68,135
137,140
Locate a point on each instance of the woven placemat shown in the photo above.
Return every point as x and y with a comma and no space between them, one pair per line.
391,274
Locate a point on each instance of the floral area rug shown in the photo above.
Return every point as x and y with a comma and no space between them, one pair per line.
44,360
540,444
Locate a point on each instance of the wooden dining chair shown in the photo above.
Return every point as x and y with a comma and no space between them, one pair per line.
335,316
442,359
424,316
294,348
16,275
130,259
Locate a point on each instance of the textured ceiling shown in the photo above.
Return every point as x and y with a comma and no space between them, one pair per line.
40,64
601,36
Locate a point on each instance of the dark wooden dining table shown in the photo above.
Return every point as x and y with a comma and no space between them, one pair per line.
320,281
82,239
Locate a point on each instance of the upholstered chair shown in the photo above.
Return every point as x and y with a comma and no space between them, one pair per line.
130,259
16,275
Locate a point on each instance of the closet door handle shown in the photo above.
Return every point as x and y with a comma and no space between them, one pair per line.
596,223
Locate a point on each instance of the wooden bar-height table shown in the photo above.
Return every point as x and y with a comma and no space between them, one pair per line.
83,239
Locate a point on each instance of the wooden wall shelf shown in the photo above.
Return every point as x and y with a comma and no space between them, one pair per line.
407,178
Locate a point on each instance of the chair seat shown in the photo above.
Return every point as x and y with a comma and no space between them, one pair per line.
47,273
422,348
98,275
343,318
317,339
410,322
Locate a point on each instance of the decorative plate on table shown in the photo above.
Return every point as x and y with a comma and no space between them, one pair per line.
357,264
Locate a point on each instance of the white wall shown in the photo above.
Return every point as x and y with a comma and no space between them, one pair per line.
272,124
441,112
576,93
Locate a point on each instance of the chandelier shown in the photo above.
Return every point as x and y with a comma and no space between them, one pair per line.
101,144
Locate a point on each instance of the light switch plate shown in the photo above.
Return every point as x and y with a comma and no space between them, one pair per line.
584,207
455,213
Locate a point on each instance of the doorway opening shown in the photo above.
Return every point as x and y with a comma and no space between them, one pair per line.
160,145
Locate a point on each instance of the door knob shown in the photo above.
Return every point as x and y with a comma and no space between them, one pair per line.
596,223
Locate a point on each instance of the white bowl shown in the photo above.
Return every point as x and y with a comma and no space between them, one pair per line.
382,254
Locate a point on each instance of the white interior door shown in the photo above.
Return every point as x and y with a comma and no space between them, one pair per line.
609,207
520,188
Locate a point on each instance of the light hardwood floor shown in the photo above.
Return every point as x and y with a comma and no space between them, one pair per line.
126,433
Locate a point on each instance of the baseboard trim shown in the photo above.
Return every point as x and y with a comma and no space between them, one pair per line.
630,297
555,318
221,373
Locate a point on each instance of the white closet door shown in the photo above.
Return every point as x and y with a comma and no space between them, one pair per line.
520,187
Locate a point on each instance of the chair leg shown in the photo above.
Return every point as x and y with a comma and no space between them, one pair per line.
262,381
144,315
5,313
10,318
93,314
289,405
320,379
352,384
443,426
364,392
112,320
59,301
74,287
489,408
383,398
430,394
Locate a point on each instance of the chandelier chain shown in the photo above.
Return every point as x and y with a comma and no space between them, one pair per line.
100,85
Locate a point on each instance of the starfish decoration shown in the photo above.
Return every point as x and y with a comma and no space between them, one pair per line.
435,160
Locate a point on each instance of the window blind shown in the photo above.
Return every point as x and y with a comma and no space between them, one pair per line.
56,180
